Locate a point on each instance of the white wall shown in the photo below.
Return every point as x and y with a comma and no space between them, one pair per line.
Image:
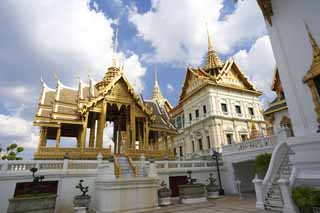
293,54
68,178
215,123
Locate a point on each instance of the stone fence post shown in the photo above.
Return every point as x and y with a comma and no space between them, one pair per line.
288,204
65,163
259,192
4,166
142,165
99,159
153,169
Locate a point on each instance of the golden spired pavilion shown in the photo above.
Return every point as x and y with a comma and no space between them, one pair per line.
139,126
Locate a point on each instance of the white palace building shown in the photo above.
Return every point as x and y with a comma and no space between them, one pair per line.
218,106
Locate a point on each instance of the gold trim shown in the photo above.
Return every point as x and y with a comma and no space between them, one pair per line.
313,72
275,110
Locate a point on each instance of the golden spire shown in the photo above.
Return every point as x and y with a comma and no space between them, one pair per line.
315,47
115,46
209,39
156,94
114,69
213,61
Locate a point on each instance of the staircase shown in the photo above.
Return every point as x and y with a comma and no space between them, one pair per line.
125,168
273,200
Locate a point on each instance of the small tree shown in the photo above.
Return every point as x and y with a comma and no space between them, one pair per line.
261,164
11,152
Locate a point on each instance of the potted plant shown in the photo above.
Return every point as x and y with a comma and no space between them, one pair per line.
35,196
164,195
82,200
212,188
192,192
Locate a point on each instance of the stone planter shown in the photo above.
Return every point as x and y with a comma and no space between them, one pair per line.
192,193
82,201
38,204
164,195
212,191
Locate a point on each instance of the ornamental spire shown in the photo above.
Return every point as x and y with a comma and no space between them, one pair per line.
213,61
156,94
115,46
315,47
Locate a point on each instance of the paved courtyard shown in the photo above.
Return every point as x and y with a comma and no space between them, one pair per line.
228,204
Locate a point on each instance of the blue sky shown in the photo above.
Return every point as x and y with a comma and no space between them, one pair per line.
72,39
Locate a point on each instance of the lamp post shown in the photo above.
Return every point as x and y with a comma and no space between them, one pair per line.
215,156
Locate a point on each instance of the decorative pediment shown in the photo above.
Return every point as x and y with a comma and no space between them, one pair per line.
194,79
231,75
119,89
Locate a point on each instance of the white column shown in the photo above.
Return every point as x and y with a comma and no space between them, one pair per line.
259,193
288,204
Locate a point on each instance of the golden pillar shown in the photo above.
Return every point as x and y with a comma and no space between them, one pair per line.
84,133
118,134
101,124
166,141
140,134
92,131
147,134
58,136
42,138
128,142
133,126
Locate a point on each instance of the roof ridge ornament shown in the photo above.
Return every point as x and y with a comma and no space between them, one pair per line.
213,61
314,44
114,46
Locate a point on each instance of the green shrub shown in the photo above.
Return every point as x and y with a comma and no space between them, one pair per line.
261,163
306,197
11,152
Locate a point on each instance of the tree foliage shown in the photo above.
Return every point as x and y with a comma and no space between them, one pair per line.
261,163
306,197
11,152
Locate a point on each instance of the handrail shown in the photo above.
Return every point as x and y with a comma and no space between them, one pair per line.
278,156
117,169
133,167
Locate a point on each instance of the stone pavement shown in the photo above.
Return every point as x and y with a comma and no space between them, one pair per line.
227,204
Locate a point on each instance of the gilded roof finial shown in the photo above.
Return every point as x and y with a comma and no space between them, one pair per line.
209,39
315,47
156,94
213,61
115,46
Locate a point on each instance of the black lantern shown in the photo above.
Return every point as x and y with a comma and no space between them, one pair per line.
215,157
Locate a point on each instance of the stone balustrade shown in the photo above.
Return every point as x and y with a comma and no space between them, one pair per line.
268,141
17,167
183,165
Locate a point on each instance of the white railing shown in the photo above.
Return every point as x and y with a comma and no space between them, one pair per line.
56,166
172,165
269,141
45,165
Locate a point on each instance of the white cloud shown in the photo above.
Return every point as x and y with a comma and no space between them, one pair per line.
15,129
258,63
40,38
55,36
14,126
177,30
170,87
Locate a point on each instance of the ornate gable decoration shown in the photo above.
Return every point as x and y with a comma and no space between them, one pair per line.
314,73
232,76
118,87
194,79
266,8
